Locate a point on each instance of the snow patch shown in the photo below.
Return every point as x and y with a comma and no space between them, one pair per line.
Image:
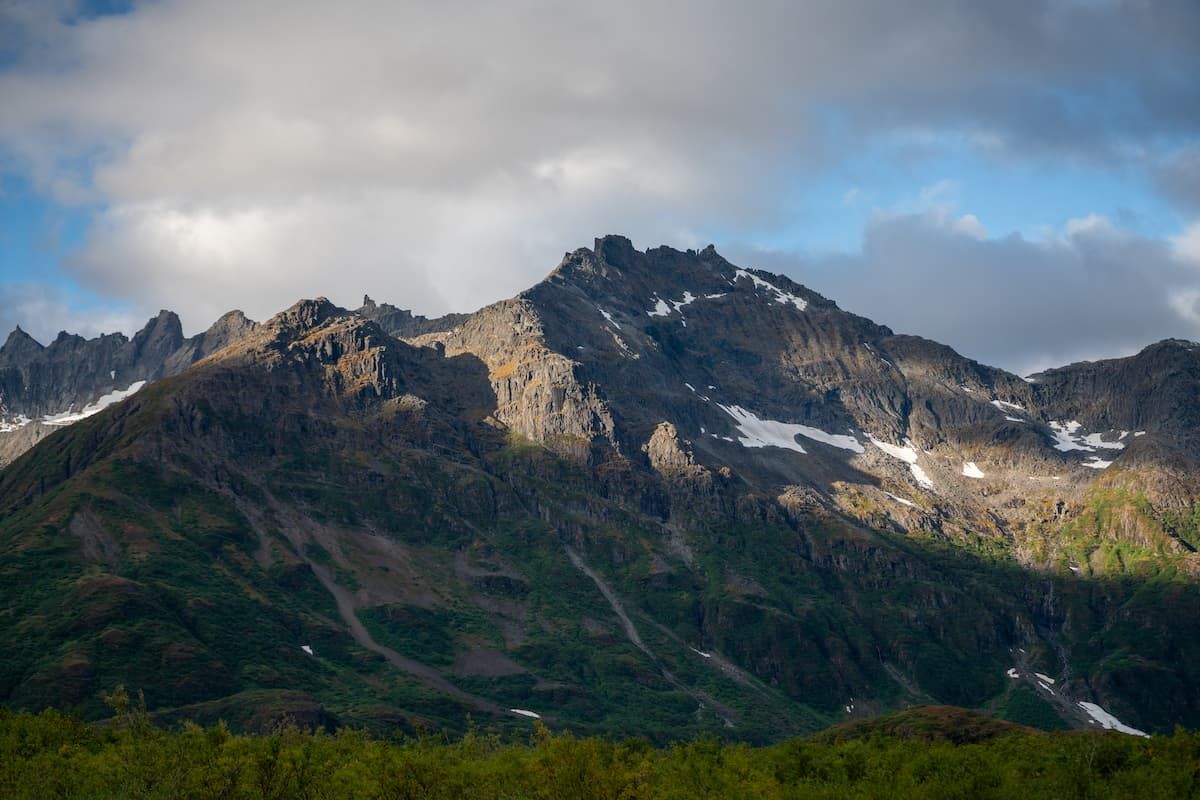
1013,419
1045,678
1108,721
10,425
780,295
610,319
907,453
700,653
1003,404
1063,433
921,476
661,309
524,713
1068,438
901,500
971,470
757,432
307,649
1097,463
112,398
1012,673
1094,440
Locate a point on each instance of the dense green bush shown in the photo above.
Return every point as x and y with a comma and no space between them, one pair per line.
51,755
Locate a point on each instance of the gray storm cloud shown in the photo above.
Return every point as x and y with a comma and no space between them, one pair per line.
1090,291
442,156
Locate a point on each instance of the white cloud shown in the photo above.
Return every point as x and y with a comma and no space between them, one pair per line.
970,225
1093,225
935,205
441,156
1186,246
1186,303
431,252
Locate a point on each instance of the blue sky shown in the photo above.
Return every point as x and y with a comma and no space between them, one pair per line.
1026,198
36,233
910,162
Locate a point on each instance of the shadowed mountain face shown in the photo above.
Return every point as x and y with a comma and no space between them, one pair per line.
655,494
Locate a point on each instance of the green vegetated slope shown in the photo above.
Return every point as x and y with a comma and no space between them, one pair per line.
193,540
913,755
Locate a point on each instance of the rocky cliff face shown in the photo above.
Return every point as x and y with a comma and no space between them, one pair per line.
539,393
790,392
656,480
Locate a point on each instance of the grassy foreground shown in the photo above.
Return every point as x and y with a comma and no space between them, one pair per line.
51,755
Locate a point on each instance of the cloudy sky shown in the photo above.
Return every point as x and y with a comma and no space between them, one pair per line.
1020,180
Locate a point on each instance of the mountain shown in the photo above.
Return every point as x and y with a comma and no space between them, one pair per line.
655,494
42,388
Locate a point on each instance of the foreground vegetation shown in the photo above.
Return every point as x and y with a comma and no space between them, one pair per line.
51,755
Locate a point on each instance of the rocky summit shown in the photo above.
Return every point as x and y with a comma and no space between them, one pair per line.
655,494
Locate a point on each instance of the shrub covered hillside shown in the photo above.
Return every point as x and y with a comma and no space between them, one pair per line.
49,755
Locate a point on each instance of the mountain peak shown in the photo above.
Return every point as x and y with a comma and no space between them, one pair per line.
306,314
616,275
19,338
402,323
614,249
231,317
163,323
161,336
1172,344
231,326
64,337
19,346
615,262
